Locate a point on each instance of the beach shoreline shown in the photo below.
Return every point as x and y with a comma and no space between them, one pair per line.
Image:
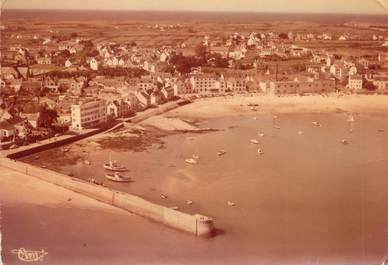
216,107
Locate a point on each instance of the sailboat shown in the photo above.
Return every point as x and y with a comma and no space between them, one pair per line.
350,118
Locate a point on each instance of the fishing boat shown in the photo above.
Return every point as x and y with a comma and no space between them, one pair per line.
276,127
196,157
191,161
114,166
261,134
117,177
300,133
221,152
254,141
343,141
260,151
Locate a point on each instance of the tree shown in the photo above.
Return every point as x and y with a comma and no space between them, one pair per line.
283,35
368,85
74,35
201,51
47,117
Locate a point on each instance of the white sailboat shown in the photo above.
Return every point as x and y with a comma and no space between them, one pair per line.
350,118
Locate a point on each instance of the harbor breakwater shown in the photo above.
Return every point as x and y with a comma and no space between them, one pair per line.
196,224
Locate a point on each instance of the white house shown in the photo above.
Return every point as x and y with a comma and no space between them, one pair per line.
355,82
93,64
68,63
88,113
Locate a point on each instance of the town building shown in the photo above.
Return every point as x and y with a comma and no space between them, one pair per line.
88,113
355,82
300,87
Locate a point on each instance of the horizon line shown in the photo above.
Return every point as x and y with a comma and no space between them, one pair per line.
193,11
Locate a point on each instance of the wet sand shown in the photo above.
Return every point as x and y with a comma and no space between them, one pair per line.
308,199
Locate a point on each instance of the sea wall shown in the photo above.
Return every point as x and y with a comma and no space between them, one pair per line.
39,147
198,225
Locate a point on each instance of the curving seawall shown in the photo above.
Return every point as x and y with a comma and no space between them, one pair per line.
197,224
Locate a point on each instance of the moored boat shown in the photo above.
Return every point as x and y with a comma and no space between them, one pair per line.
191,161
117,177
221,152
114,166
254,141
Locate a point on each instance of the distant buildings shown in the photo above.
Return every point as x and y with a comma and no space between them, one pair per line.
88,113
295,87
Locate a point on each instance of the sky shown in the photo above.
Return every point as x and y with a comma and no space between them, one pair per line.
292,6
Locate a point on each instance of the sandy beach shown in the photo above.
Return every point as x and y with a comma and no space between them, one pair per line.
238,105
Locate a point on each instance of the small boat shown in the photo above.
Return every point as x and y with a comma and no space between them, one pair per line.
260,151
350,118
66,149
254,141
253,105
191,161
87,162
275,116
276,127
221,152
189,202
343,141
174,207
117,177
316,124
231,203
380,130
261,134
36,157
163,196
300,133
114,166
196,157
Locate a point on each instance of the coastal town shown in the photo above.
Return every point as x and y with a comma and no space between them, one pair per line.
193,132
57,81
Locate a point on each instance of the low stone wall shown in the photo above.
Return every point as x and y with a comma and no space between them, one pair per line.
198,225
